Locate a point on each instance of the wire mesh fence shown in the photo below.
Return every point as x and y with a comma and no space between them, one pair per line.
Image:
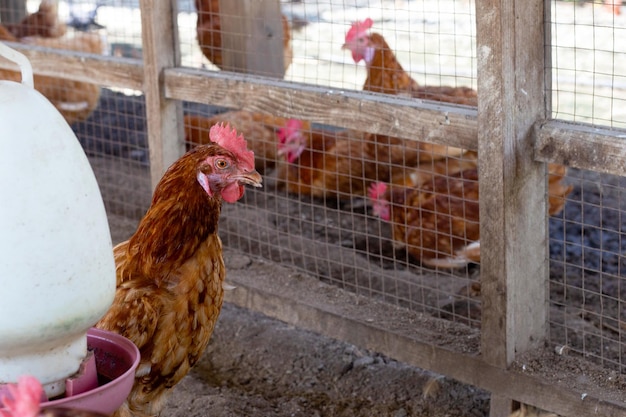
382,216
586,251
318,176
587,63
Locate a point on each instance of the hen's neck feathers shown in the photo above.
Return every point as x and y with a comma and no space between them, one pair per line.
383,51
384,73
180,218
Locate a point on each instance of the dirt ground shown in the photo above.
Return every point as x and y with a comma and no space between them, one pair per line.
256,366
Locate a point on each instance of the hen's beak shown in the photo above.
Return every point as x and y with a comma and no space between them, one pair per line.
345,46
252,178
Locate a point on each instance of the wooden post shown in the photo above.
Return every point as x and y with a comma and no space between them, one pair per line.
164,116
12,11
252,37
511,98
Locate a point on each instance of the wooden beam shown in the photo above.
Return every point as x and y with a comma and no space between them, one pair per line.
102,70
164,116
500,406
252,37
580,146
376,113
514,265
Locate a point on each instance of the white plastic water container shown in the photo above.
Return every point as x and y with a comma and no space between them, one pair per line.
57,272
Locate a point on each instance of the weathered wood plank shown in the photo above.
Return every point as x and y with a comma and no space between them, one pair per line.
164,116
333,312
513,237
102,70
376,113
252,37
500,406
585,147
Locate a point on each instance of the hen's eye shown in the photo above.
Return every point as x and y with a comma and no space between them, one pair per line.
221,163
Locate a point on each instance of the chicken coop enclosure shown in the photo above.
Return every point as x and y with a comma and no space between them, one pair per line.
466,219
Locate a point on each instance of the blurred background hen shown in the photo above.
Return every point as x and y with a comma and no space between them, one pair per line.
75,100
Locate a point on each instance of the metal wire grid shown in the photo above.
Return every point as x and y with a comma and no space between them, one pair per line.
342,242
338,239
586,249
121,21
118,21
110,125
587,284
435,52
588,64
115,141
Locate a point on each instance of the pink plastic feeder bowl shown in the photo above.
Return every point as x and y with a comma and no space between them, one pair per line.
116,361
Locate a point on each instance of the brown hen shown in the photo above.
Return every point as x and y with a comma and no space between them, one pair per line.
386,75
170,273
434,212
437,221
322,162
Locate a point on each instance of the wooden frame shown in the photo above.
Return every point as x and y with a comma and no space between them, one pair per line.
509,129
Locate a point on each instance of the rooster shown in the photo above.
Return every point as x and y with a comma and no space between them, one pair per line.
209,33
386,75
435,213
321,162
259,129
24,400
75,100
170,273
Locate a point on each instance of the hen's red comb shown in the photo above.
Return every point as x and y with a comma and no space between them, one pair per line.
358,27
377,190
227,138
291,127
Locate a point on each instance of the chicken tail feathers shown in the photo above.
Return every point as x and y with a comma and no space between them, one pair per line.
467,255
